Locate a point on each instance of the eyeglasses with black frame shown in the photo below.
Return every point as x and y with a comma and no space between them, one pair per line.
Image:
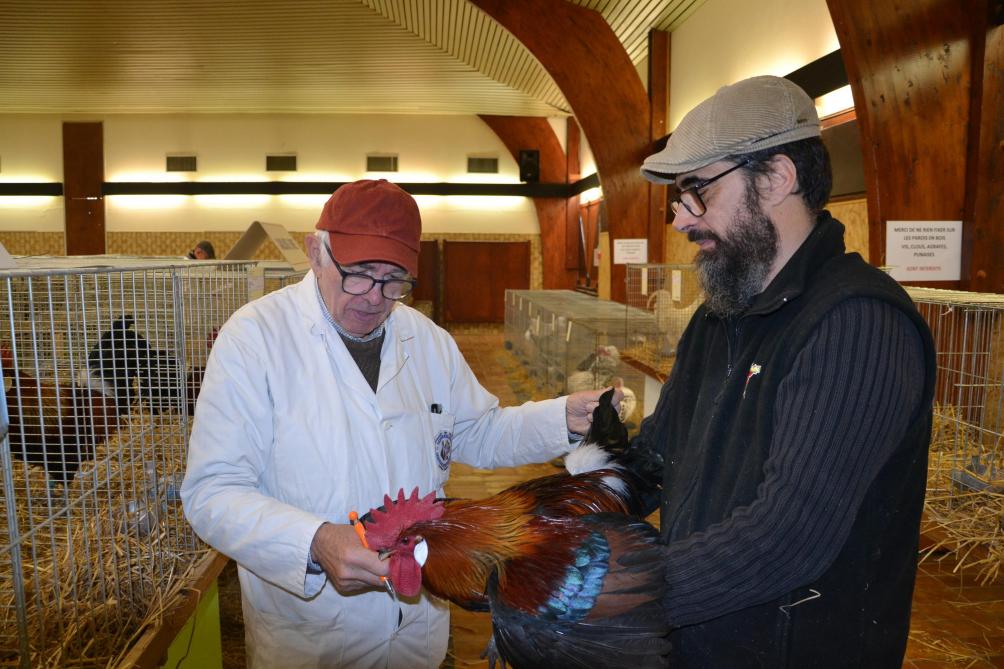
690,197
355,283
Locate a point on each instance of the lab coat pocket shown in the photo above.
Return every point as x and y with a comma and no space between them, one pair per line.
442,431
422,449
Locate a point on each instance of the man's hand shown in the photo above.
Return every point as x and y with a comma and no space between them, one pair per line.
579,408
349,566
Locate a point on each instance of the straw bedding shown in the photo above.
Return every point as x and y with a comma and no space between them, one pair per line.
964,509
95,575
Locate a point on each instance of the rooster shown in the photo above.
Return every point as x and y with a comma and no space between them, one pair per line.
58,425
570,577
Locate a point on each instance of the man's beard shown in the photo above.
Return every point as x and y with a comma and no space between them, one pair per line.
732,274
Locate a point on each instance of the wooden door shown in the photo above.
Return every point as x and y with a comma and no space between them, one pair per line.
83,177
476,276
427,288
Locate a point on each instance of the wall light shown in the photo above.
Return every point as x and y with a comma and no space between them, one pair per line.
231,201
835,101
27,201
146,202
591,195
304,201
481,202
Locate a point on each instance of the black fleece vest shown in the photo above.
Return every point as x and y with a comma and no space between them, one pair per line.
717,416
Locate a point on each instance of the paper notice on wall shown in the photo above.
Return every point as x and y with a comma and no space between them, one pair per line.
630,251
924,250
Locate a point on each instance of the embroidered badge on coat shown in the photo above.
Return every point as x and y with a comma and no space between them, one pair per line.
754,370
444,449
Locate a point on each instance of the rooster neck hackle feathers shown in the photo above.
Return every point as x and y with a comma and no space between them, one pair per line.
471,540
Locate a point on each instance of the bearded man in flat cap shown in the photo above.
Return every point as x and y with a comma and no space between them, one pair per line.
791,436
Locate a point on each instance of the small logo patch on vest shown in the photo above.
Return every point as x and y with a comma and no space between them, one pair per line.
754,370
444,449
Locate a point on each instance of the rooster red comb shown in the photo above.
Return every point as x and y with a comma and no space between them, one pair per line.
397,515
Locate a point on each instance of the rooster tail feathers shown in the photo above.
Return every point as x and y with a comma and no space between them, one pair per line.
619,622
634,640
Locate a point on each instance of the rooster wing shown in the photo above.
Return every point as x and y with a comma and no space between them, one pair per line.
604,609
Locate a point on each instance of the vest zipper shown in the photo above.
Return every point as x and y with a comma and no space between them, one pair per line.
732,338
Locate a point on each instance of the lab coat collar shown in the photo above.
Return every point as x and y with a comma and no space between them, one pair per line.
399,329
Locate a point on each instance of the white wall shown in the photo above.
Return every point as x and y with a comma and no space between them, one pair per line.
328,148
233,148
31,150
728,40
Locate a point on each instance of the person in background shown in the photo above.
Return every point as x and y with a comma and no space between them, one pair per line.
791,435
319,399
202,251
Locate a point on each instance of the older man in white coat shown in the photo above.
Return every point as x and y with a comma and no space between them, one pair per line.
317,400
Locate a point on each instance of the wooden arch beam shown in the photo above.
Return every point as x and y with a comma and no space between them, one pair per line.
587,61
532,132
927,87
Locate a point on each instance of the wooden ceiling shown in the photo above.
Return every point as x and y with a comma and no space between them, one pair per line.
308,56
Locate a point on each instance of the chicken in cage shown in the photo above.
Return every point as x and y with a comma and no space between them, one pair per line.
670,294
567,341
96,364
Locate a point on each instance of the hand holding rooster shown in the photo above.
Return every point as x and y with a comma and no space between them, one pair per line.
579,408
349,565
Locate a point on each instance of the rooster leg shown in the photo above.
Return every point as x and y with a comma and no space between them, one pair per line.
491,652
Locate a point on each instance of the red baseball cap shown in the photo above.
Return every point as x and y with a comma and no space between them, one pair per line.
373,221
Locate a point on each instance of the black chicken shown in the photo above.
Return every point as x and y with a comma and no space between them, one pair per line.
58,425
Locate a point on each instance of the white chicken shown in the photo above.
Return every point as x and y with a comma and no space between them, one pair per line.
596,370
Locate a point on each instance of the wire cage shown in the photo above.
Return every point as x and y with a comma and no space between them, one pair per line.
671,294
278,275
538,330
965,496
593,360
569,341
101,366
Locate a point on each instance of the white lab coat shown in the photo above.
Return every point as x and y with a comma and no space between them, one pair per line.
288,435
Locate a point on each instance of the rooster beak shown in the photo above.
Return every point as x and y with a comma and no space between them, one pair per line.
385,553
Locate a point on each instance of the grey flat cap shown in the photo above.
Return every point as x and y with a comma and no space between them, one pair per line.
749,115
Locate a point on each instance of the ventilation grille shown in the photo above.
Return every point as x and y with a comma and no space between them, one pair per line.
181,164
280,163
381,163
482,165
